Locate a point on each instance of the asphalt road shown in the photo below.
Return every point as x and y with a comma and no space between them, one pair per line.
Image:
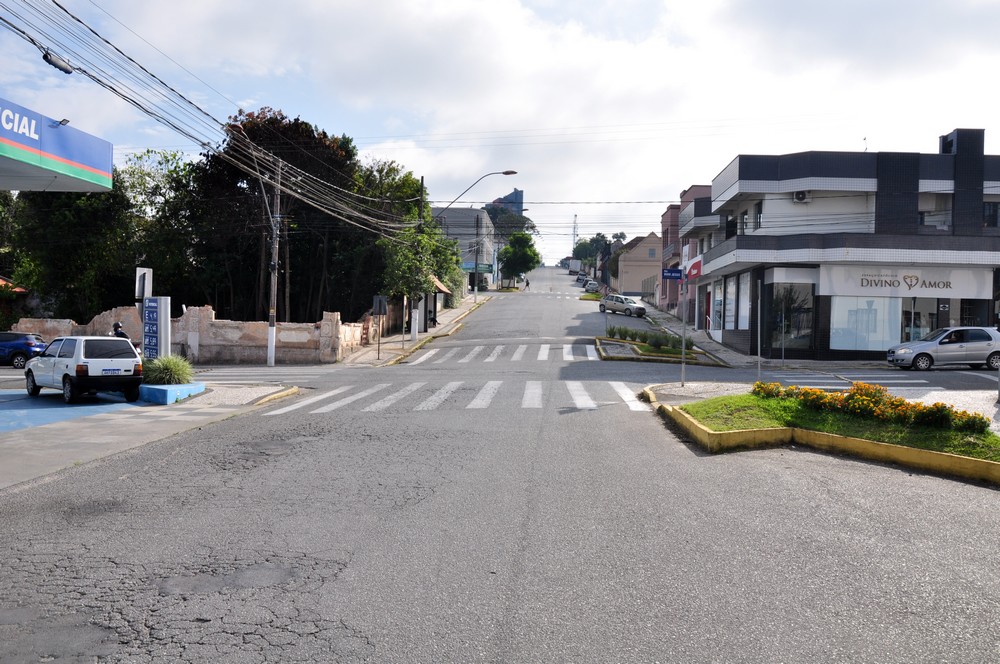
462,508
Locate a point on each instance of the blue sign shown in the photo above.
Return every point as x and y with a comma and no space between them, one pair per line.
673,273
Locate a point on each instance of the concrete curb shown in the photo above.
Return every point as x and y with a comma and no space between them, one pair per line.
167,394
938,463
287,392
641,357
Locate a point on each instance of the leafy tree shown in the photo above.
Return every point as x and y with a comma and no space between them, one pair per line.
413,256
77,251
327,263
619,236
519,256
7,253
507,222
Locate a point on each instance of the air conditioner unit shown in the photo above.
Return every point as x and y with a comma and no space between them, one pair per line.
802,196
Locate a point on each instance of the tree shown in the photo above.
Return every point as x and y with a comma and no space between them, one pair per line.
77,252
415,255
519,256
507,222
619,237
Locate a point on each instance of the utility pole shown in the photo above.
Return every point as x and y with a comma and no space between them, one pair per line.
271,315
475,274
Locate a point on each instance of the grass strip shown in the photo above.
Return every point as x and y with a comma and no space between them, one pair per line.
749,411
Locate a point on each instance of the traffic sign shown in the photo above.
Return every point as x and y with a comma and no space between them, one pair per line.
673,273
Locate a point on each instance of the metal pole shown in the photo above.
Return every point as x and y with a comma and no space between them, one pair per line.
271,314
760,304
684,330
475,275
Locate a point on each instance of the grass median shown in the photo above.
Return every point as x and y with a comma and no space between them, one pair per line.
753,411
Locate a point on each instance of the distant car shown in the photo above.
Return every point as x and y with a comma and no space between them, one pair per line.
581,278
974,346
592,286
86,365
16,348
619,304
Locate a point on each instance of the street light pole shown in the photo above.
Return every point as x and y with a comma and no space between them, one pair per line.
475,267
272,312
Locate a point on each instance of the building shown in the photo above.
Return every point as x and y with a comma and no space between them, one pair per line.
838,255
473,230
639,267
514,202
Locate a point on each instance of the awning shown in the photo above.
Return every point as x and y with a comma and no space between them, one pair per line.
441,288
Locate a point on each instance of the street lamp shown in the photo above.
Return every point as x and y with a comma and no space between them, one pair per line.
475,278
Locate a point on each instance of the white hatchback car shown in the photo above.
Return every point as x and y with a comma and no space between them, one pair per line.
86,365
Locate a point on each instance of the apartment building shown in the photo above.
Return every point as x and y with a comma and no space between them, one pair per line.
838,255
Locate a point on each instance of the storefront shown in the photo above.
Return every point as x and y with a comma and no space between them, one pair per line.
842,311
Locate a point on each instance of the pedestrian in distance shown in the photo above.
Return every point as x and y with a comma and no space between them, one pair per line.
116,330
527,284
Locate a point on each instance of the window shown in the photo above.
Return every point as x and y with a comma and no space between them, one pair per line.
743,222
791,316
730,304
652,252
758,214
743,320
864,323
991,215
68,348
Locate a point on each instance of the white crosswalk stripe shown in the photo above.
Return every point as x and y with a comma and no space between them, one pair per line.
423,396
485,396
581,399
570,353
351,399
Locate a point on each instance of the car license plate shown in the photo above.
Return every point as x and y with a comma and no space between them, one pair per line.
111,372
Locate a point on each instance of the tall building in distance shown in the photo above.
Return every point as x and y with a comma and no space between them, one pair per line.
514,201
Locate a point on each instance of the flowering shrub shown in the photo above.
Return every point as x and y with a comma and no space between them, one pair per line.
875,402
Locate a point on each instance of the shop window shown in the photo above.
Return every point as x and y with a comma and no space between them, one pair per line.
864,323
743,319
730,307
791,316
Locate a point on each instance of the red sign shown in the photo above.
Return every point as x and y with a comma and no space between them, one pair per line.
694,270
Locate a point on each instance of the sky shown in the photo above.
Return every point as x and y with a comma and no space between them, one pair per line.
607,110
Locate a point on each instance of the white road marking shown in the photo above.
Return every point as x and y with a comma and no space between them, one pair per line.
532,394
439,397
494,355
628,396
543,352
592,353
519,353
447,356
581,399
393,398
426,356
351,399
310,400
472,354
568,353
486,394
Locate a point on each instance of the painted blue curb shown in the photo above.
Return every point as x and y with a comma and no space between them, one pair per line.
164,394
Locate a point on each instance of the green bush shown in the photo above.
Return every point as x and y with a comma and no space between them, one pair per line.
642,335
657,341
612,331
167,370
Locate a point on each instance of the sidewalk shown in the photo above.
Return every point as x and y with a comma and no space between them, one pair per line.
398,346
984,400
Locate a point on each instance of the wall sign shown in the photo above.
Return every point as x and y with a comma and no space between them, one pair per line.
906,281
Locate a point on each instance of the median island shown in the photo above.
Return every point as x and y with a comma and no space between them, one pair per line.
863,421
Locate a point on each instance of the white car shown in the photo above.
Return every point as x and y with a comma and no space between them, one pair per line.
591,286
86,365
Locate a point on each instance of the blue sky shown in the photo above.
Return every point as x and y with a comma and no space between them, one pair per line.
607,110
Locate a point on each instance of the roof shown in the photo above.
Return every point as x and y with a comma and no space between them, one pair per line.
6,283
441,288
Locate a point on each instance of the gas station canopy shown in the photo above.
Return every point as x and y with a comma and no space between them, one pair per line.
41,154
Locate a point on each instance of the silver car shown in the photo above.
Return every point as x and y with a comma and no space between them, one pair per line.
974,346
621,304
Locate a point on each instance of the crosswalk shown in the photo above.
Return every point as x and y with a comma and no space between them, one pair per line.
511,353
258,375
468,395
842,380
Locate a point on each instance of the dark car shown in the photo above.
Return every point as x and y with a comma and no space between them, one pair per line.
16,348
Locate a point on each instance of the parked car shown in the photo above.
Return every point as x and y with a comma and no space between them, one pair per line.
581,278
86,365
619,304
16,348
592,286
974,346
